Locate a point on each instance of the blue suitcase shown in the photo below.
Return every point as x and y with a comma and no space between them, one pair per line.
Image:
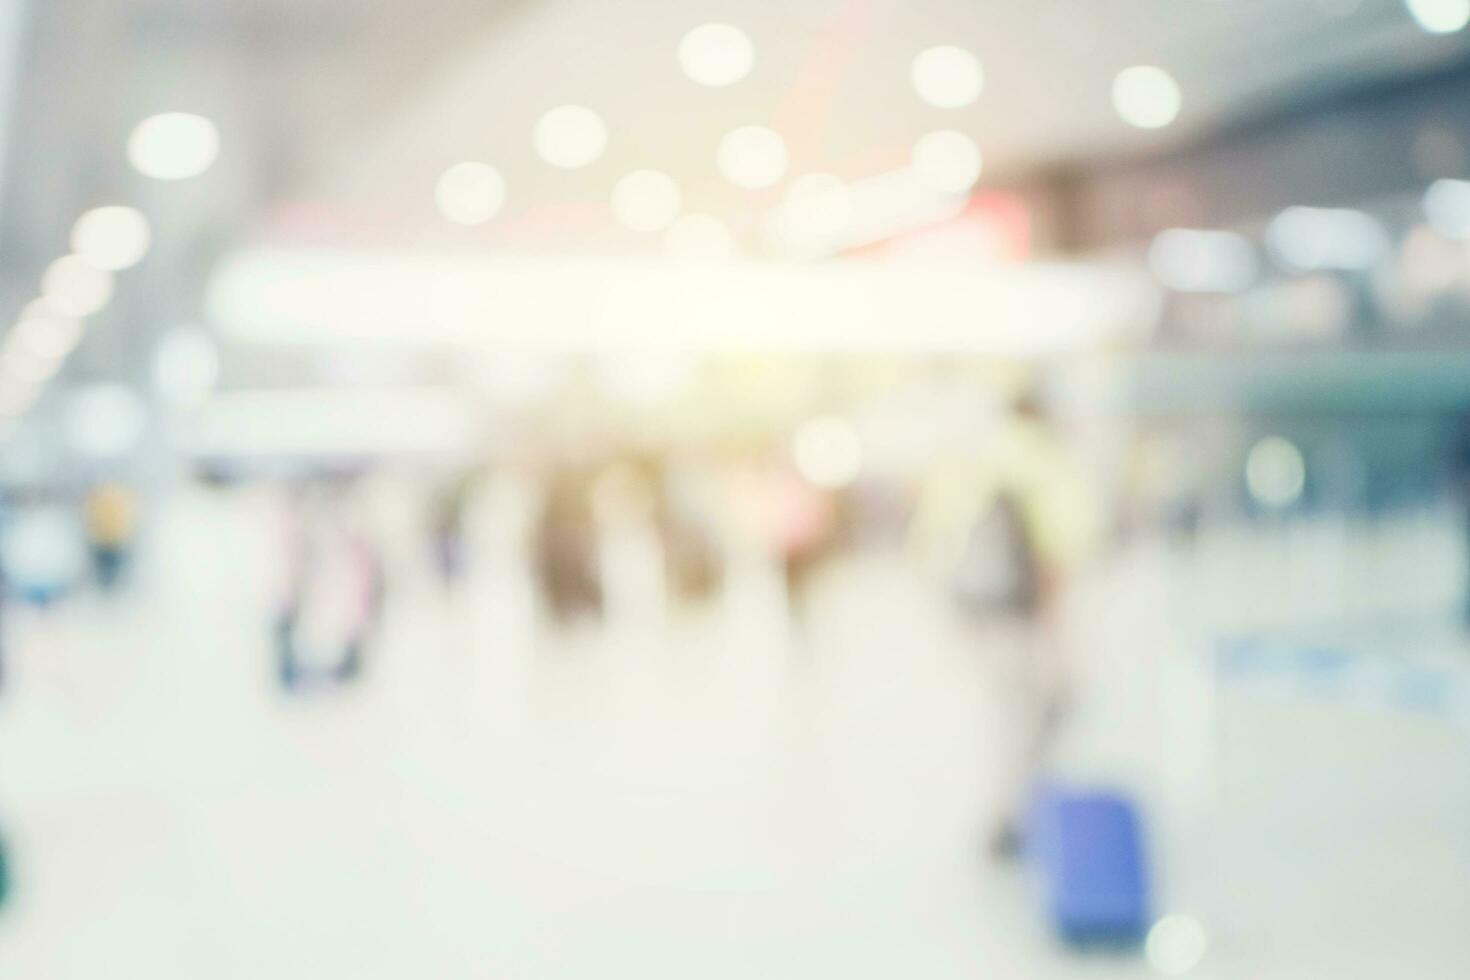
1088,850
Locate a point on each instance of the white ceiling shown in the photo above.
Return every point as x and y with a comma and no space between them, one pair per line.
832,77
337,116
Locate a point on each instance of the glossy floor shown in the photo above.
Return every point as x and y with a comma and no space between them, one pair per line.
714,796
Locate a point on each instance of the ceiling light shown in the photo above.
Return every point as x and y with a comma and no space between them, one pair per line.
570,136
947,77
947,161
23,370
1440,16
1314,239
752,157
716,54
111,238
470,193
173,146
1447,205
1146,96
1275,473
72,287
646,200
46,336
1191,260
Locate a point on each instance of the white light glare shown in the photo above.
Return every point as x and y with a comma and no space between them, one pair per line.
646,380
752,157
185,367
828,452
646,200
813,185
470,193
105,421
72,287
173,146
26,372
817,217
570,136
1146,96
1189,260
1176,945
1447,206
45,336
716,55
1316,239
516,379
699,237
111,238
822,215
946,161
947,77
1275,472
16,399
1440,16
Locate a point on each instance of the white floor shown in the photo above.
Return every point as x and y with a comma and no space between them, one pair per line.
715,799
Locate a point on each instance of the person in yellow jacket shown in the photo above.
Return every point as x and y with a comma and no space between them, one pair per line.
1023,473
1006,527
111,512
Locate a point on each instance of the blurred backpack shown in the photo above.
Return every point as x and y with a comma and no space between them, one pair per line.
996,571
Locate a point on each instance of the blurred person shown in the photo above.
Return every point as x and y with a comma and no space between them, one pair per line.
632,517
688,518
110,510
797,523
565,546
1007,528
631,563
448,529
333,593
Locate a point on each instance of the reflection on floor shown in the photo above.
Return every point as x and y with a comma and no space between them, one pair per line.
717,798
